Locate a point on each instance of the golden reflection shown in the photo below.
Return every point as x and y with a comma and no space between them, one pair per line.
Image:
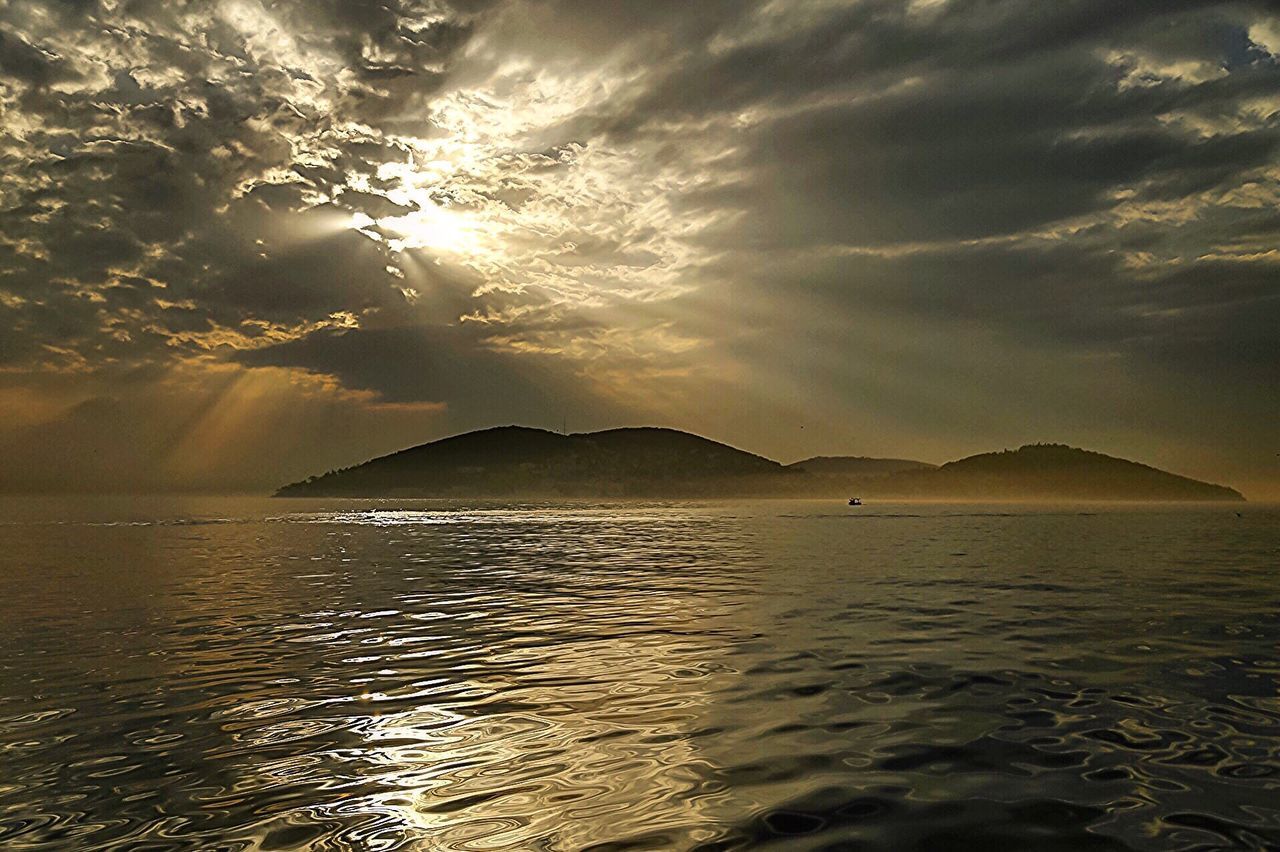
591,749
486,729
413,711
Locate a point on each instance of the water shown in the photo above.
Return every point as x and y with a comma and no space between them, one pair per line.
261,674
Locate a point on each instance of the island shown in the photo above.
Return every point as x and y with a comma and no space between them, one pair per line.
1054,471
520,461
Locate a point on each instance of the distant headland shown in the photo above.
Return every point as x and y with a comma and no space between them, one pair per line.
518,461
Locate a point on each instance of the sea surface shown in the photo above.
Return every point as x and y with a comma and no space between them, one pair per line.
295,674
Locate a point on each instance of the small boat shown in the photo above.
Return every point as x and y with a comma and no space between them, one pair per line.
854,501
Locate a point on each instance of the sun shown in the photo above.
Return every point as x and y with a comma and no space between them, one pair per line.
450,228
437,228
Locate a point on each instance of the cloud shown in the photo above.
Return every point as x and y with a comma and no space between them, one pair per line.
442,364
512,208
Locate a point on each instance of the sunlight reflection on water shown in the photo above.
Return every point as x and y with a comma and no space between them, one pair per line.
277,674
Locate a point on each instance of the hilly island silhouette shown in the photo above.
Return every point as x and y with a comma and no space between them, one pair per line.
520,461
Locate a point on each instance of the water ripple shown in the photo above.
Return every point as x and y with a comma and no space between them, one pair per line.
568,676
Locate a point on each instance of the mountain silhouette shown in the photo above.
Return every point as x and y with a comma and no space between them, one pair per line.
1055,470
520,460
653,462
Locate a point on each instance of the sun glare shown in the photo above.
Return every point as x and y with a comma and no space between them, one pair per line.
437,228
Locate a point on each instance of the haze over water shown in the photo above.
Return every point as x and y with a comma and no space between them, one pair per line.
256,674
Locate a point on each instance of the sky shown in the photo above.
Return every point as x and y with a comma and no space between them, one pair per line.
243,241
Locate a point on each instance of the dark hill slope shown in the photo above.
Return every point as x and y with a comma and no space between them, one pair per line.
1053,470
518,460
857,466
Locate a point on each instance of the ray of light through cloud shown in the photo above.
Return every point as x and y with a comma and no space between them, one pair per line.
730,217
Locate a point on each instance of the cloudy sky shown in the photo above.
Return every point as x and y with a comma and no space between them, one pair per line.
242,241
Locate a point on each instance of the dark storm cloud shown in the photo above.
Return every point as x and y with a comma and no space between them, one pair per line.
435,364
24,61
867,44
987,121
1212,317
990,118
